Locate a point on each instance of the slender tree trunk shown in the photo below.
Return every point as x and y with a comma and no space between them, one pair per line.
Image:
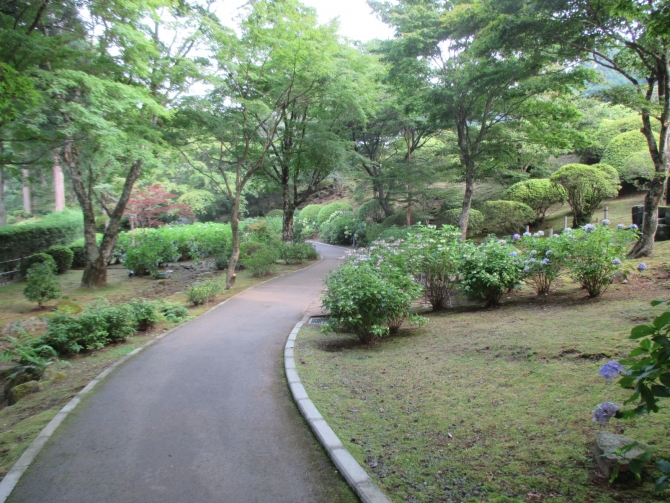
235,255
287,219
645,244
59,184
467,201
383,201
27,207
3,206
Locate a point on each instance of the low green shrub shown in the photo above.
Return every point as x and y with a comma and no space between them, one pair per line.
275,214
173,312
309,214
63,257
506,216
203,292
542,259
371,211
78,254
619,150
263,262
38,258
144,314
149,253
451,217
29,358
41,283
327,210
538,193
399,219
489,270
341,228
297,253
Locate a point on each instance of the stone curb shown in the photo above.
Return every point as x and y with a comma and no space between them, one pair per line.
19,468
354,474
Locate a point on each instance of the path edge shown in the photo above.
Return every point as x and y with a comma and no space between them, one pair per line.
17,470
355,475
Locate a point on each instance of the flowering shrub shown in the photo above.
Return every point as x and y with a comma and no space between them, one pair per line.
201,293
488,270
594,255
362,300
434,257
297,253
542,260
341,227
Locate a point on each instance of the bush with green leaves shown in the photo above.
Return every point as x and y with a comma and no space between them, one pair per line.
341,228
93,329
297,253
41,283
542,258
79,251
326,211
586,187
637,168
399,219
28,354
362,300
506,216
172,312
63,257
265,230
538,193
262,262
144,314
309,214
594,255
149,254
645,371
38,258
371,211
434,257
451,217
202,292
489,270
619,150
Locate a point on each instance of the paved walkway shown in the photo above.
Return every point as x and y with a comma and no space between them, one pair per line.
204,415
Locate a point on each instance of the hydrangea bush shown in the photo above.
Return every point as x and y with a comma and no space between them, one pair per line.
542,260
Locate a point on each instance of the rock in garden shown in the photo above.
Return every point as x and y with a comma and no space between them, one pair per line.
606,446
18,392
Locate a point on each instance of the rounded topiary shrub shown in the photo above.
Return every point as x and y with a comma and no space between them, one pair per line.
538,193
586,187
327,210
38,258
400,218
638,167
371,211
506,216
78,254
275,214
63,257
451,217
610,129
620,149
310,212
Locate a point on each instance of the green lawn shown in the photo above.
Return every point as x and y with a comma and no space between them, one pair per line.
490,404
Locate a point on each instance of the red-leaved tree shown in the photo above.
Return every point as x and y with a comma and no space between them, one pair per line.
147,207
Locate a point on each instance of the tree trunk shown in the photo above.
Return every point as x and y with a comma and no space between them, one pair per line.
27,207
467,201
235,255
383,202
3,207
287,220
95,268
645,244
59,185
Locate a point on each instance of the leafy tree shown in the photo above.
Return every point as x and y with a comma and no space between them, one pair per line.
42,285
146,207
539,193
586,187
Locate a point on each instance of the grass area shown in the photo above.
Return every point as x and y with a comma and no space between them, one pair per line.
491,404
22,422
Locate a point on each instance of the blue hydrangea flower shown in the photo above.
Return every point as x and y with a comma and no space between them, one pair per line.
611,369
545,261
606,221
642,267
533,253
540,233
527,234
556,236
513,254
620,226
516,236
549,252
567,229
633,226
589,228
526,269
616,261
604,412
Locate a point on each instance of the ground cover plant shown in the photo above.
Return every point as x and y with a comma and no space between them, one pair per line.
494,404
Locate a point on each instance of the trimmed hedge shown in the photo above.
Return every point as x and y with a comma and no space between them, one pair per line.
22,240
275,214
538,193
507,216
451,217
371,211
310,212
327,210
638,166
38,258
620,149
63,257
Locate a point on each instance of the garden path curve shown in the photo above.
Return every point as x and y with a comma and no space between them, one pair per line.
203,415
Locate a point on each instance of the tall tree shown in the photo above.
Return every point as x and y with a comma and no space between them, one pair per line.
631,38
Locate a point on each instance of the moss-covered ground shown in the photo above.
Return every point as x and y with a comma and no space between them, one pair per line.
491,404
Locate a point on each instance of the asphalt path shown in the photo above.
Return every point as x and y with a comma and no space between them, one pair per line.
204,415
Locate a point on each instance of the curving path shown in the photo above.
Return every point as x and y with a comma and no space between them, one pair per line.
204,415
